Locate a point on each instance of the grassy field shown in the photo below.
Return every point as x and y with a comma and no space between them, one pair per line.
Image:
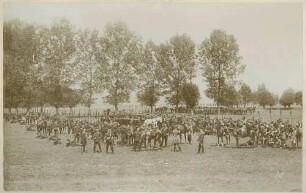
36,164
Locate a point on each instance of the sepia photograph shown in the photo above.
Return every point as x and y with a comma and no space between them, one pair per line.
152,96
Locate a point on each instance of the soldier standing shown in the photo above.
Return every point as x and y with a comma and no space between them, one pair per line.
165,134
189,134
109,141
143,138
176,138
158,138
83,140
77,131
201,141
151,136
97,138
137,143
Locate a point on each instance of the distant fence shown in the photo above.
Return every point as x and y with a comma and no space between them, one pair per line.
291,115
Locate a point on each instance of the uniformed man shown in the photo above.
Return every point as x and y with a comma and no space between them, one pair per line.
151,136
165,133
293,137
143,138
83,140
189,134
77,132
201,141
97,138
109,141
137,143
158,138
176,138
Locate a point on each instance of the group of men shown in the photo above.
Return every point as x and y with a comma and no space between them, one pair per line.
109,132
274,134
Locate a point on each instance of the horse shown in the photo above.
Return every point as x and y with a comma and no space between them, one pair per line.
242,131
191,124
153,121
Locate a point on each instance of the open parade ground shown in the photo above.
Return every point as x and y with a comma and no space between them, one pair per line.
36,164
209,94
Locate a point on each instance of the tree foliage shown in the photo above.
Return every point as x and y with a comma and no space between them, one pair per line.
150,75
87,50
148,97
190,95
72,97
177,62
262,95
59,50
246,94
299,98
43,64
287,98
221,63
20,51
119,59
230,96
272,99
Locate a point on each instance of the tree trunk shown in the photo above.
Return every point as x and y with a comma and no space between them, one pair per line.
89,110
41,109
56,108
151,109
177,101
70,108
17,110
28,109
116,107
10,110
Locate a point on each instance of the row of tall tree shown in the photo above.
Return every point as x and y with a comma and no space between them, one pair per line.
263,97
62,66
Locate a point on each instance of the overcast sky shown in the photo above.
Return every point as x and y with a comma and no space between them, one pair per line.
269,34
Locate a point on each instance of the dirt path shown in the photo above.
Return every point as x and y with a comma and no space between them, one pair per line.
36,164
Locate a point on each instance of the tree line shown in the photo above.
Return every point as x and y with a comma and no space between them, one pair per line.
263,97
62,66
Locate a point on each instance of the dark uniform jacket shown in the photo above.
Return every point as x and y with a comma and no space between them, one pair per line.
201,138
97,137
83,139
138,136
